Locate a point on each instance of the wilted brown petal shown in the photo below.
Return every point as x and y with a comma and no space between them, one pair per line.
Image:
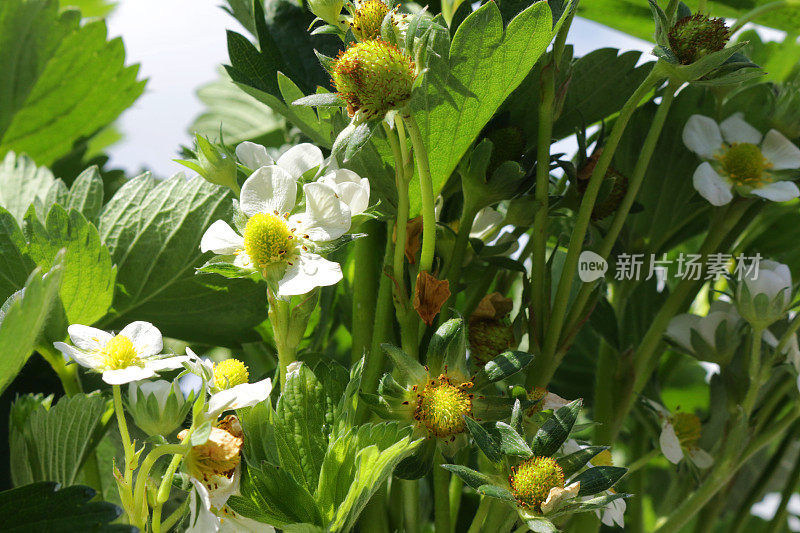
430,294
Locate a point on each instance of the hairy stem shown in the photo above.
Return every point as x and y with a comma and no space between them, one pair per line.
426,191
441,496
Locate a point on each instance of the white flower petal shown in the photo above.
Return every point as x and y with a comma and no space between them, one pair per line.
299,159
780,151
221,239
736,130
239,397
308,272
326,217
167,363
145,337
235,523
127,374
88,338
267,190
253,156
355,195
614,513
701,458
669,443
159,388
779,191
553,401
87,359
702,136
201,519
711,185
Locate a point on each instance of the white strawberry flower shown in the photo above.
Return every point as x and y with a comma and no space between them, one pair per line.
738,158
485,223
296,161
680,433
277,243
227,383
205,518
131,355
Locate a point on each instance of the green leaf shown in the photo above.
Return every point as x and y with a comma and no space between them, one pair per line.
270,494
447,346
153,230
90,8
471,477
409,370
575,461
501,367
235,115
382,447
55,442
15,265
87,286
22,184
86,194
511,442
321,99
68,81
555,430
300,418
23,319
43,507
598,479
463,89
494,491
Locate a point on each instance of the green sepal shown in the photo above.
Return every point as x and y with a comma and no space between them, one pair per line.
410,370
493,491
484,440
598,479
495,407
448,347
511,442
540,525
321,100
501,367
555,431
469,476
575,461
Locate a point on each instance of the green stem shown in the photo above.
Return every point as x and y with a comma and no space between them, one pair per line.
280,317
123,431
754,367
426,192
375,512
480,515
454,266
539,236
166,483
441,495
410,491
373,363
142,476
634,184
67,374
176,515
456,491
367,259
543,367
787,336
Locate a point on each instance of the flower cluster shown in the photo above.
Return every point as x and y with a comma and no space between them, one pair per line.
276,239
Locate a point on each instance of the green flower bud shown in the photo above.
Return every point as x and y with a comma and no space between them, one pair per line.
158,407
328,10
373,77
696,36
763,296
215,163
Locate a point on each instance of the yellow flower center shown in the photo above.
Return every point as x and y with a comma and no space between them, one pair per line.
221,453
532,480
267,239
744,164
229,373
368,19
441,407
119,353
687,429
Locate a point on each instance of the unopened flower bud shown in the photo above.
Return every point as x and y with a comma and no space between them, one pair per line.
214,163
158,407
764,295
